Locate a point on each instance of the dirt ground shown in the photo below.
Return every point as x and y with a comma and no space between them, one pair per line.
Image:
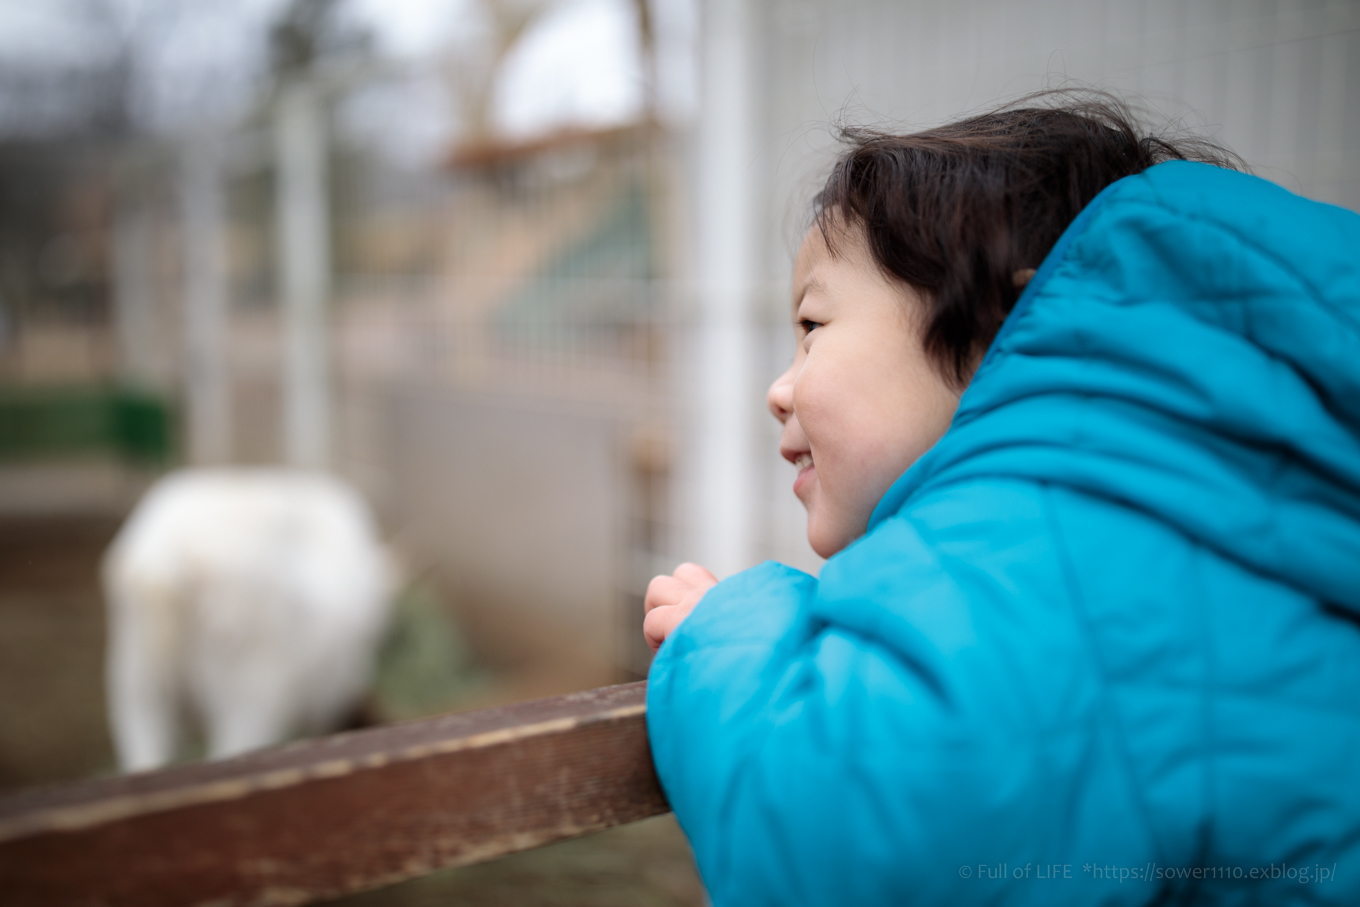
53,724
646,864
53,727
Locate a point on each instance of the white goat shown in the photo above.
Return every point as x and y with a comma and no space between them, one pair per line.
256,598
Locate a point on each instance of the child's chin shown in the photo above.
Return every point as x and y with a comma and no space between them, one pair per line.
823,543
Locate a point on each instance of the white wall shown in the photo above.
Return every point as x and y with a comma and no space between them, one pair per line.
1279,82
515,504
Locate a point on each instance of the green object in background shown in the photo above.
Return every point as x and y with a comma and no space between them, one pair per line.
599,279
46,422
425,666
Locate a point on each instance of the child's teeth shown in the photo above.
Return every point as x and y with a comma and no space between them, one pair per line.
803,461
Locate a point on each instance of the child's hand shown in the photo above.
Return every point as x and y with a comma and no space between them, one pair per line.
671,598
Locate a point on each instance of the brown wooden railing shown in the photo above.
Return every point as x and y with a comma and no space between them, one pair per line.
339,814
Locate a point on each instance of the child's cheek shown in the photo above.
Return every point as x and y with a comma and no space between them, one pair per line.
816,416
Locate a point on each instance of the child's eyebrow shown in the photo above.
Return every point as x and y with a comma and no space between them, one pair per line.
812,283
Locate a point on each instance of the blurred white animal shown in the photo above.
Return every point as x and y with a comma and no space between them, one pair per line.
256,598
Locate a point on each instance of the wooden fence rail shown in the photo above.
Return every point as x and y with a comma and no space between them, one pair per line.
326,817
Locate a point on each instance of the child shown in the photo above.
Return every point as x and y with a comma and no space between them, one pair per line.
1088,632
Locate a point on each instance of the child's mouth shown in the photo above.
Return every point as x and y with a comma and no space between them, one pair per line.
803,463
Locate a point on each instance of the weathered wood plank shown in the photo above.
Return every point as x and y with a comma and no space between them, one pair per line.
326,817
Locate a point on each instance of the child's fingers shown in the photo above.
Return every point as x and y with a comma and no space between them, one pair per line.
672,590
695,575
664,591
660,623
655,628
670,599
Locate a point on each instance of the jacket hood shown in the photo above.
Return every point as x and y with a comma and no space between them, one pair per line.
1190,349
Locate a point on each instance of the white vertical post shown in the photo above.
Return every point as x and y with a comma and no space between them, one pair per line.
725,250
134,294
304,263
205,302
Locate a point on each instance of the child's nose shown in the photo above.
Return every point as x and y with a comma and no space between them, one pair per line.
780,396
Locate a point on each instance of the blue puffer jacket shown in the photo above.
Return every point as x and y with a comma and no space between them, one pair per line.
1100,645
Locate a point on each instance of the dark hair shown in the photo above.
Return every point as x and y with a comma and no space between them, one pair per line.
956,211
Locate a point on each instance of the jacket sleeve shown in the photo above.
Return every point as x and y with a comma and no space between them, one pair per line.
920,722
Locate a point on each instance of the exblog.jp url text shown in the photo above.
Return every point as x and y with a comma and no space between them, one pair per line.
1303,875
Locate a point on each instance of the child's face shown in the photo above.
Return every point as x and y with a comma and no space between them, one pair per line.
861,402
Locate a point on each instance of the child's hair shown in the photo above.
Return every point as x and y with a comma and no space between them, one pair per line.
959,210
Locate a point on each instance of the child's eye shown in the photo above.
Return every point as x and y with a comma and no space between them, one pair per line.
808,326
